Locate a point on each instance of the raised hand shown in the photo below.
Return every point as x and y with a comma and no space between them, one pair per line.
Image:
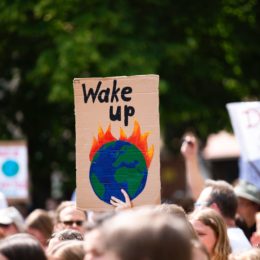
119,204
189,148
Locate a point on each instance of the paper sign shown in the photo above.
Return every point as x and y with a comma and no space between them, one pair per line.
245,118
117,140
250,171
14,169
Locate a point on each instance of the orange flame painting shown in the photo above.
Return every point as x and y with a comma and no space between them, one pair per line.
136,138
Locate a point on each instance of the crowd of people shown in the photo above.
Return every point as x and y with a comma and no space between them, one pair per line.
225,224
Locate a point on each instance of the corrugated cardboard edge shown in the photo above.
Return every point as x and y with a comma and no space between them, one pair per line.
117,77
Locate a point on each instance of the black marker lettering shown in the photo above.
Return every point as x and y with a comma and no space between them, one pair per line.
103,95
129,111
117,115
115,92
124,92
90,92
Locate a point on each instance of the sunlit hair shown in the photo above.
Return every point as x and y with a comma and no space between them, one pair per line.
214,220
145,234
172,209
68,250
61,206
40,220
177,212
222,193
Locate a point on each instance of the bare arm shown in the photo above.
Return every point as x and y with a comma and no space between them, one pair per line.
189,150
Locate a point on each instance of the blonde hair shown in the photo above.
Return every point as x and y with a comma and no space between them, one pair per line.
212,219
67,250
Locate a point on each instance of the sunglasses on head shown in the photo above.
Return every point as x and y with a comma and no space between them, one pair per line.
71,222
202,204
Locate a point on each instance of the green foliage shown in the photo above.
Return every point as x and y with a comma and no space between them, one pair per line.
206,53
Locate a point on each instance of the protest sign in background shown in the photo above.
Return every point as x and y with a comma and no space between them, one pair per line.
245,118
14,170
117,140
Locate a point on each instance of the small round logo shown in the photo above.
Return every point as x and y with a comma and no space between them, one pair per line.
10,168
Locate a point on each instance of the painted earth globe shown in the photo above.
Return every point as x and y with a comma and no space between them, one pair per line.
118,165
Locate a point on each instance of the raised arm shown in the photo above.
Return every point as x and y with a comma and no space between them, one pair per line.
189,150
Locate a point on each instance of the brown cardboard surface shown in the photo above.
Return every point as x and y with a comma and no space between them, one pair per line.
94,170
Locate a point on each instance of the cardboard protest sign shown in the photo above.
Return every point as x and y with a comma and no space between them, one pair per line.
117,140
245,118
14,170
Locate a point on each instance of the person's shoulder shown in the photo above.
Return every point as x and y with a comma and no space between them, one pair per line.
238,240
236,231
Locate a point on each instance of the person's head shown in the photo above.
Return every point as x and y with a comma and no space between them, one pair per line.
61,206
67,250
11,221
21,246
7,227
252,254
64,235
40,225
248,201
70,217
173,209
220,196
139,234
177,212
212,232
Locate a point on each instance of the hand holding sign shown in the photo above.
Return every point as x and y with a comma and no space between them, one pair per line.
119,204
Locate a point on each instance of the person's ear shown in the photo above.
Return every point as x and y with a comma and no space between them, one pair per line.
215,207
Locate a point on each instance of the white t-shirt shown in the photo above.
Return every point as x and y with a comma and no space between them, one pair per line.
237,239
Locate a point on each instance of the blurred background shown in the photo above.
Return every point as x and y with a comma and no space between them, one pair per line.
206,53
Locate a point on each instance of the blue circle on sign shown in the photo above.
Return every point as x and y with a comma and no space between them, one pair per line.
10,168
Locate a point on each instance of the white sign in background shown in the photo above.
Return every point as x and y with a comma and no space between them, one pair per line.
245,118
14,170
